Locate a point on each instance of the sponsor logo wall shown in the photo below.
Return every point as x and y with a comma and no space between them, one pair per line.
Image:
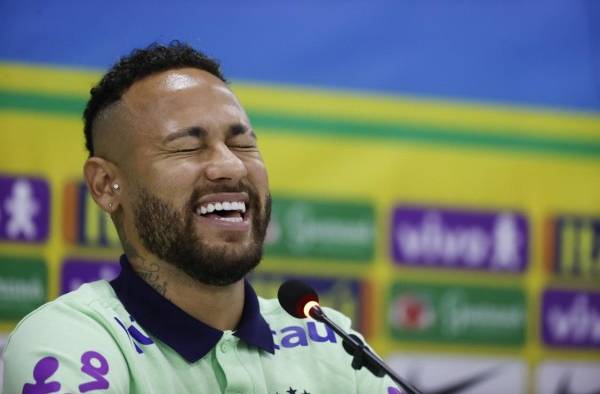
24,209
76,271
23,286
440,373
457,314
324,229
564,377
85,224
571,319
349,296
460,239
575,246
445,249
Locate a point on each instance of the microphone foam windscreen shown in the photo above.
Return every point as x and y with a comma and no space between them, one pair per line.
293,295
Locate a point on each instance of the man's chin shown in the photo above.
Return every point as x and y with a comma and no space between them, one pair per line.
231,257
222,266
222,237
225,241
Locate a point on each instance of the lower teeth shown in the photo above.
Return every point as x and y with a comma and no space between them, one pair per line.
232,220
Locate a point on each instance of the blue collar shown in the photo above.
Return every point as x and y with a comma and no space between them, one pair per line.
189,337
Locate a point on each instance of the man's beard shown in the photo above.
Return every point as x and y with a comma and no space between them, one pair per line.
171,236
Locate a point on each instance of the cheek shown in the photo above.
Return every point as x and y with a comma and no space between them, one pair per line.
257,174
173,182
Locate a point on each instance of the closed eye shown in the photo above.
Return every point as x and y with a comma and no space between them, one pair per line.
244,147
187,150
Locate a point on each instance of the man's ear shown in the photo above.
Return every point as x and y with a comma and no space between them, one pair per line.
101,177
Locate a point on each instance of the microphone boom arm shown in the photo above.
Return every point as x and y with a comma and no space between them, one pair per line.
362,355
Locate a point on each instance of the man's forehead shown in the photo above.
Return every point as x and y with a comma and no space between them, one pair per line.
181,80
159,102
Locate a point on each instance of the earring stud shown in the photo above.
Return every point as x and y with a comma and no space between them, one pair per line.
115,187
110,205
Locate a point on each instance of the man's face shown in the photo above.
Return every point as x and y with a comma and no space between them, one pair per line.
197,193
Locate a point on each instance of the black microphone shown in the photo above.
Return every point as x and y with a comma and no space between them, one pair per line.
302,301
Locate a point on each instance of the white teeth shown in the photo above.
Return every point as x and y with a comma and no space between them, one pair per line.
232,220
222,206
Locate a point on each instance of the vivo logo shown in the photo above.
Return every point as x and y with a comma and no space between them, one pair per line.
460,239
571,318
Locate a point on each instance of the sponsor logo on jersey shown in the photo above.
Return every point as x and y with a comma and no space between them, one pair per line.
136,334
294,336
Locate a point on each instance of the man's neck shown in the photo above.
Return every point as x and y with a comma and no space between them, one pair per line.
217,306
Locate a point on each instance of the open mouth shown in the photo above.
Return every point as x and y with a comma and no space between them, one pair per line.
226,210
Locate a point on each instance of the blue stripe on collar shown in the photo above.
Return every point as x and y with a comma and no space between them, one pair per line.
189,337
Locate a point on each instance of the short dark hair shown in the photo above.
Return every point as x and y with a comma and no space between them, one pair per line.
139,64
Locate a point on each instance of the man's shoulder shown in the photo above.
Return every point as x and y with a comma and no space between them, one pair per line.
82,307
86,299
63,336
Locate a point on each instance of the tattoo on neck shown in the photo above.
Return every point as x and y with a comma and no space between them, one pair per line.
150,272
147,270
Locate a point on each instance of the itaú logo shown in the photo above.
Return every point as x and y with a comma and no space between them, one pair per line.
579,322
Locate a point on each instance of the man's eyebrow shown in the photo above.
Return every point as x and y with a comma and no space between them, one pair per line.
195,131
238,128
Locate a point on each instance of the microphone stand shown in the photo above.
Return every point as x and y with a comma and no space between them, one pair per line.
362,355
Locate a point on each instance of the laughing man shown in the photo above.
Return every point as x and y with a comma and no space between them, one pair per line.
174,161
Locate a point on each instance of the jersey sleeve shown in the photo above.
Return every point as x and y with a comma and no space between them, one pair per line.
60,350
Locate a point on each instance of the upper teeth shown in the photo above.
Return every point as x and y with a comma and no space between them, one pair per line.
222,206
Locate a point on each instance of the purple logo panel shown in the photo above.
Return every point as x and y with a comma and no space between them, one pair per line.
571,318
461,239
76,272
24,209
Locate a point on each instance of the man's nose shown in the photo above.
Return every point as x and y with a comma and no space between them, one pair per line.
224,165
